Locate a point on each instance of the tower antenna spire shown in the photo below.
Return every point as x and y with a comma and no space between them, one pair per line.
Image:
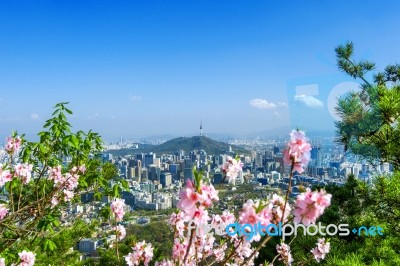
201,128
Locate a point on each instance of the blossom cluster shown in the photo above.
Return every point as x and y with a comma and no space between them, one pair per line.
265,213
310,205
297,152
3,211
142,252
5,175
284,253
13,144
27,258
120,232
65,184
117,207
321,249
231,168
194,240
22,170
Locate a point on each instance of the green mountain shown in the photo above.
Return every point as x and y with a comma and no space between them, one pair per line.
187,144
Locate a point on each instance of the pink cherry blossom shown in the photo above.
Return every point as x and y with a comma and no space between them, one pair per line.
265,216
5,176
198,215
220,222
117,207
227,217
188,197
231,168
284,253
24,171
209,195
219,252
243,250
120,232
2,262
248,214
276,206
175,217
142,252
68,195
179,249
3,211
310,205
82,169
27,258
321,249
297,152
54,201
71,181
56,175
13,144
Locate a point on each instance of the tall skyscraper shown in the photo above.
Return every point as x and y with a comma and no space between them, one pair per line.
316,156
149,159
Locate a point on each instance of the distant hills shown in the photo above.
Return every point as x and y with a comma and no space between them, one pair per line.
187,144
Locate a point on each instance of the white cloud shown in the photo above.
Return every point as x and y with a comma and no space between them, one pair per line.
309,100
283,104
262,104
34,116
135,98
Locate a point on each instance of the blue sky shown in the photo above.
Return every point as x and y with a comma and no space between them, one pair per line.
138,68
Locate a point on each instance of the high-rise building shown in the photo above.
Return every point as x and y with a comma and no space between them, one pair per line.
140,156
145,175
218,178
174,170
149,159
107,157
138,173
165,179
131,173
316,156
154,173
279,159
203,157
188,172
157,162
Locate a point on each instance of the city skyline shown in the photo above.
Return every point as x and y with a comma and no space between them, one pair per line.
152,68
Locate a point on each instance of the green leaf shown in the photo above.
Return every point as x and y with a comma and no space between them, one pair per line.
75,141
105,212
98,195
124,184
49,245
42,148
68,111
116,191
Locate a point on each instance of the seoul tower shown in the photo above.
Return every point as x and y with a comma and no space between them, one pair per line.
201,128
